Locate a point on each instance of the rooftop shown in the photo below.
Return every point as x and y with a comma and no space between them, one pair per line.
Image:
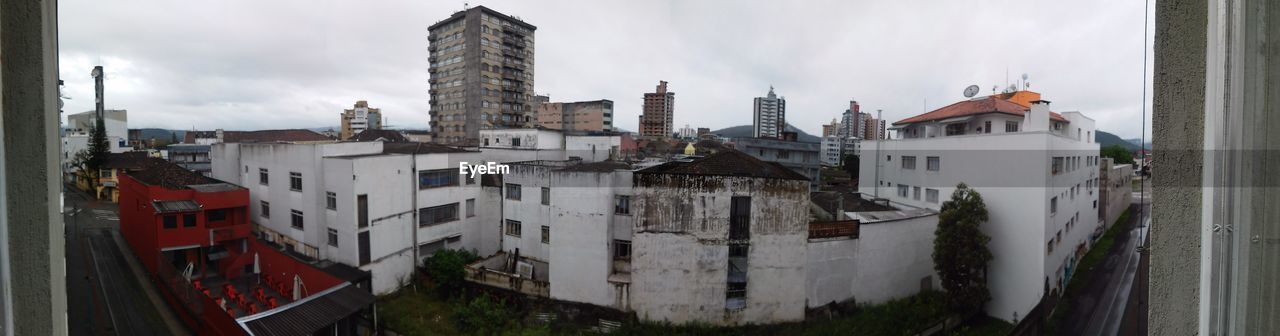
989,104
726,163
281,135
159,172
127,160
419,148
853,202
379,135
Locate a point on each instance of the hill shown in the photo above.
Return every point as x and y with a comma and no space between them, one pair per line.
1105,139
744,131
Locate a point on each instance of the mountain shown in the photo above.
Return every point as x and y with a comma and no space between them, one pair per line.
744,131
1136,141
1105,139
162,134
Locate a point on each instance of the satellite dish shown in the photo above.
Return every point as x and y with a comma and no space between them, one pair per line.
971,91
1024,77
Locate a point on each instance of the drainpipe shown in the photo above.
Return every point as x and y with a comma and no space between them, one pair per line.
879,139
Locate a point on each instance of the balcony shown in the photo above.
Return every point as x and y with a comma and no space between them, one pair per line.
509,272
512,41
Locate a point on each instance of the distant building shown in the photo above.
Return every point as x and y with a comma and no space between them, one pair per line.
417,135
658,112
831,129
687,132
587,116
281,135
1115,192
802,157
770,116
835,148
702,131
359,118
481,67
192,157
76,137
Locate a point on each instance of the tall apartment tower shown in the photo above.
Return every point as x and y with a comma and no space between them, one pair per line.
359,118
770,116
481,74
658,113
851,122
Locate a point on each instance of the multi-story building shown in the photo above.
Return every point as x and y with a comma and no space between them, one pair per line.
359,118
481,74
191,156
769,116
835,148
658,113
1115,191
802,157
687,132
586,116
76,137
1042,209
831,129
193,235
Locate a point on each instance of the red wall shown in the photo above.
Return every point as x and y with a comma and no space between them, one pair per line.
282,268
144,229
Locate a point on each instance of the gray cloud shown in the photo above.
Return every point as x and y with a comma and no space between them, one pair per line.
278,64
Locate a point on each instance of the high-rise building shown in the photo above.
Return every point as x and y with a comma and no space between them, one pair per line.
481,74
359,118
851,122
831,129
658,113
770,116
590,116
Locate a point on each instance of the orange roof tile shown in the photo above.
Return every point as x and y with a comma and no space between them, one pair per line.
990,104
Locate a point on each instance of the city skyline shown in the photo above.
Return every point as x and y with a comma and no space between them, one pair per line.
301,75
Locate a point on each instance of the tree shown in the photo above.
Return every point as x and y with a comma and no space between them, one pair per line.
960,253
850,165
448,269
1118,153
99,149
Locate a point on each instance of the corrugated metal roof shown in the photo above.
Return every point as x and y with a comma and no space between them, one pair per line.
306,316
176,206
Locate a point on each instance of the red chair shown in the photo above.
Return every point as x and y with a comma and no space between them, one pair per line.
197,284
271,301
253,309
206,292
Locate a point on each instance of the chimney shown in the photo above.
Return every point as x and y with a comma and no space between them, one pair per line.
1037,118
219,132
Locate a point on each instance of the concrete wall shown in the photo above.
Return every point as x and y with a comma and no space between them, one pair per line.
32,251
1178,109
680,249
582,233
889,260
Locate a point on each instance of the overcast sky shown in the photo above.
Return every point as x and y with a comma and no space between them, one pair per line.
296,64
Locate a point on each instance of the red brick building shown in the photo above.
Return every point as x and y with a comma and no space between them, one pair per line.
194,236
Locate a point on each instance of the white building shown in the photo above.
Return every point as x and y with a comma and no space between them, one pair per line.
770,116
533,144
357,203
76,136
1115,191
1036,171
833,152
889,256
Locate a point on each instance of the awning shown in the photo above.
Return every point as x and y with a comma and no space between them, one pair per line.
306,316
175,206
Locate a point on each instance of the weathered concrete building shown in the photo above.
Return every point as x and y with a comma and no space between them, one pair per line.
1115,191
585,116
658,112
481,74
872,254
719,240
802,157
359,118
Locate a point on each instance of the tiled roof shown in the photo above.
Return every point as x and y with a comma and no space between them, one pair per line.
126,160
990,104
727,162
159,172
282,135
379,134
601,167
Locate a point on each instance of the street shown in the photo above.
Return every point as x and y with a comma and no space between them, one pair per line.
1112,300
104,295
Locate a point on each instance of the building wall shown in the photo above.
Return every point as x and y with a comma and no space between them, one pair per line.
680,250
889,260
802,157
582,233
1008,169
657,112
460,117
577,116
1115,191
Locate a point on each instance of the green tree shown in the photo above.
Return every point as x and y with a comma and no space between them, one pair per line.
960,253
1117,153
850,165
99,149
483,315
448,269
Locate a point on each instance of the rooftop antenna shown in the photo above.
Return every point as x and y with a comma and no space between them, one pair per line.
1024,81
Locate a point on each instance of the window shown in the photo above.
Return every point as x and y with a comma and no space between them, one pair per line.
513,191
331,200
471,208
986,127
915,193
296,221
1048,249
262,176
1095,204
783,154
515,142
622,205
546,234
215,215
740,217
622,249
471,179
933,163
513,228
266,209
363,246
437,214
295,181
888,158
171,222
955,129
902,190
931,195
437,178
333,237
736,282
1053,206
908,162
362,210
1010,126
1057,165
546,196
189,220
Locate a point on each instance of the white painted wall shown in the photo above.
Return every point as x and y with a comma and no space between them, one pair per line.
888,260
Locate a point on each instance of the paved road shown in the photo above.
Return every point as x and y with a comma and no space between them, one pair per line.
104,297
